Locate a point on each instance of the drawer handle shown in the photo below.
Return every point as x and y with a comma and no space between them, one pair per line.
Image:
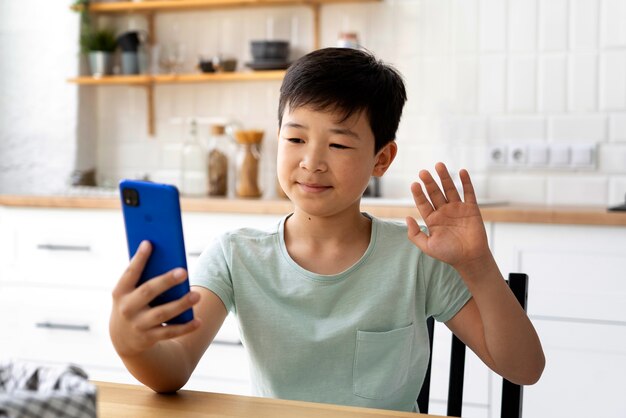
61,247
194,253
57,325
224,342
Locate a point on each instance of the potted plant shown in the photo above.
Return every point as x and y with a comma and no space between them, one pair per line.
99,46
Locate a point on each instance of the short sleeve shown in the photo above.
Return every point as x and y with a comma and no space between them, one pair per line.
213,273
446,293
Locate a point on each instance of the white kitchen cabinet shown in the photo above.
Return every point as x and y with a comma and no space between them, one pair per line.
57,271
577,302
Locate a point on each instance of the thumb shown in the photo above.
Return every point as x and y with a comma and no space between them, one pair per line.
415,234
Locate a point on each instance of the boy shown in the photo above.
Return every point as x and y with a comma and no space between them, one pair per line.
332,304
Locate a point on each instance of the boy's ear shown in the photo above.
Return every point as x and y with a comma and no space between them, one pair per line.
384,158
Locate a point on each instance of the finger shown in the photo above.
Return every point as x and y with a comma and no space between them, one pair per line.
131,275
167,332
152,288
421,201
158,315
415,234
469,196
452,194
434,192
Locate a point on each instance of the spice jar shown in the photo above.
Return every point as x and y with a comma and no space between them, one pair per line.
248,162
218,164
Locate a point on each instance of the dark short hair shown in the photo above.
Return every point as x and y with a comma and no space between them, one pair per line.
350,81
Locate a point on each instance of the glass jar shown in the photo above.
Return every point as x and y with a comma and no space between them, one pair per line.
348,40
248,163
193,167
218,161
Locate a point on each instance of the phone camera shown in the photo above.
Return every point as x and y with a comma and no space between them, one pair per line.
131,197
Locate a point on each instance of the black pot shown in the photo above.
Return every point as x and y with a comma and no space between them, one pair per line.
269,50
129,41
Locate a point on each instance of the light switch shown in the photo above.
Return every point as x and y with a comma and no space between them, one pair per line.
583,155
559,155
538,155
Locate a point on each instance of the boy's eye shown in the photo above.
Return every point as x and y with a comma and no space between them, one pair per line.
339,146
295,140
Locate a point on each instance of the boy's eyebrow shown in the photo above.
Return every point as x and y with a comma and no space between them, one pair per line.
339,131
345,131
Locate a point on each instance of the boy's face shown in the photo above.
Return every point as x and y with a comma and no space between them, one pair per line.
324,165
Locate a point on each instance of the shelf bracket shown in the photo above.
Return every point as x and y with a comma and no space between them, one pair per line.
315,8
150,109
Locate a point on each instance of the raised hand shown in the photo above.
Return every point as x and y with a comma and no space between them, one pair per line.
456,232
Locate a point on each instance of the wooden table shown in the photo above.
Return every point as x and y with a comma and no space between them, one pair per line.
118,401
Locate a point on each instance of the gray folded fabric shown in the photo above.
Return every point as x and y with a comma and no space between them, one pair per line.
32,390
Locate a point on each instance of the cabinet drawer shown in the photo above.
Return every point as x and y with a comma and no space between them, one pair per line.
72,247
57,325
574,271
584,373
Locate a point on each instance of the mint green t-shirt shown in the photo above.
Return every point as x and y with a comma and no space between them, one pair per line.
354,338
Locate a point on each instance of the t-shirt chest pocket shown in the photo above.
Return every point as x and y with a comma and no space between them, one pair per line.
381,361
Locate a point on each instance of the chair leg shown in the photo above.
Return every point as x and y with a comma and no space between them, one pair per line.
455,383
424,395
512,394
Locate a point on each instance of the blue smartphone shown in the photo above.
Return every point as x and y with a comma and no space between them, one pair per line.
152,212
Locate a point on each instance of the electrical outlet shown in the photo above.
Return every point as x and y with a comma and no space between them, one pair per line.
517,155
497,155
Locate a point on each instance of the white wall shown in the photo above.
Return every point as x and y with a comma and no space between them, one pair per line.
38,109
478,73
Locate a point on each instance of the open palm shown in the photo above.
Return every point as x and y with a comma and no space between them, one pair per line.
456,232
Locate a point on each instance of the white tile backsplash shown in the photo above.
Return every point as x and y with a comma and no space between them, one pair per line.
617,190
516,128
617,126
613,80
577,128
517,188
553,25
580,189
522,83
492,83
552,89
612,158
583,82
522,25
584,27
477,72
613,16
492,21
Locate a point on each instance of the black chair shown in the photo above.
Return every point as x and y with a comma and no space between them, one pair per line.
512,394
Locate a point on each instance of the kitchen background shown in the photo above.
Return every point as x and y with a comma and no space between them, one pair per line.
502,87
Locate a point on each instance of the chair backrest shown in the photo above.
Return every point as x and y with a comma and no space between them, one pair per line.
512,394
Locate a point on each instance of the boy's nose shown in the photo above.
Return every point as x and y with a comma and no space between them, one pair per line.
313,161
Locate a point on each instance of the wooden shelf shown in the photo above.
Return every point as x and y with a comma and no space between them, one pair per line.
149,6
147,80
112,80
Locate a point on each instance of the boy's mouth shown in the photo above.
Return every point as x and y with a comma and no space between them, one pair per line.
313,187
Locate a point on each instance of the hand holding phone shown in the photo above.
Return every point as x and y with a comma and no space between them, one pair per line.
135,327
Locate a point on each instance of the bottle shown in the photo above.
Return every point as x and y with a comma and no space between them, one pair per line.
194,164
218,161
348,40
248,162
